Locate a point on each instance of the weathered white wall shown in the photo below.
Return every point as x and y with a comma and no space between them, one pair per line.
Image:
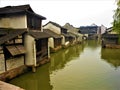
63,40
14,63
14,22
30,57
2,63
56,30
103,29
53,28
41,27
51,42
48,50
80,37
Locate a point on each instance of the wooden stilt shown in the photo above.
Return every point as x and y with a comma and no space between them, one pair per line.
33,68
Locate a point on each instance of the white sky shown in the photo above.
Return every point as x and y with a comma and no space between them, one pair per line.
76,12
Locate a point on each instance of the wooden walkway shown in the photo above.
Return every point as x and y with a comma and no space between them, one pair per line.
7,86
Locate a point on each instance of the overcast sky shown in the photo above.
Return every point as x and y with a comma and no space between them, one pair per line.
76,12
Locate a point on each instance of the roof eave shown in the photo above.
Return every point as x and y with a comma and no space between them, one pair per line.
42,17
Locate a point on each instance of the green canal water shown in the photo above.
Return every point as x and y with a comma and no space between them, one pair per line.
81,67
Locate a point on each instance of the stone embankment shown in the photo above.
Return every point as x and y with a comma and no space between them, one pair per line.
6,86
112,46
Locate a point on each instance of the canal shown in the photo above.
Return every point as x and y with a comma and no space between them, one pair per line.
81,67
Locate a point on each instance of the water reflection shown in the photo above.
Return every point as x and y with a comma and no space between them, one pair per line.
41,79
81,67
92,44
34,81
112,56
61,58
87,71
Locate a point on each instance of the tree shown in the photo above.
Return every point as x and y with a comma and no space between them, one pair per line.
116,17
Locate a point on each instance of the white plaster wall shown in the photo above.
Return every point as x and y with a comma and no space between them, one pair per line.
48,50
41,27
30,57
14,22
2,63
63,40
14,63
51,42
53,28
80,37
5,22
103,29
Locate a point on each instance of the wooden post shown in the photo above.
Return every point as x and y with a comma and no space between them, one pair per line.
33,69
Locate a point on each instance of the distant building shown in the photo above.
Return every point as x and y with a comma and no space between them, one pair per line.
111,31
58,29
93,31
102,29
55,41
74,31
88,29
110,39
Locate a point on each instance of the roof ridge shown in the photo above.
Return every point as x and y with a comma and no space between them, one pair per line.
26,7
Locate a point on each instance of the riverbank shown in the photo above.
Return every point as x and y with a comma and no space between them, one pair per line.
112,46
6,86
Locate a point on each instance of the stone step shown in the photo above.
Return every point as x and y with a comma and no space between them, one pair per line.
7,86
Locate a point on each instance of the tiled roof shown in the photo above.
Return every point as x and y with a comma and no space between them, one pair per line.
38,35
51,33
3,32
16,49
66,35
18,9
12,9
72,35
10,35
57,25
71,28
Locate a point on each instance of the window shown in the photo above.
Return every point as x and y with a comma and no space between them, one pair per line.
19,39
14,50
57,42
34,23
38,45
41,44
41,47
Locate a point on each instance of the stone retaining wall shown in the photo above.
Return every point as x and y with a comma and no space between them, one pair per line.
13,73
6,86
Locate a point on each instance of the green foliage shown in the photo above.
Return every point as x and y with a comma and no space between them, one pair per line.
116,17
